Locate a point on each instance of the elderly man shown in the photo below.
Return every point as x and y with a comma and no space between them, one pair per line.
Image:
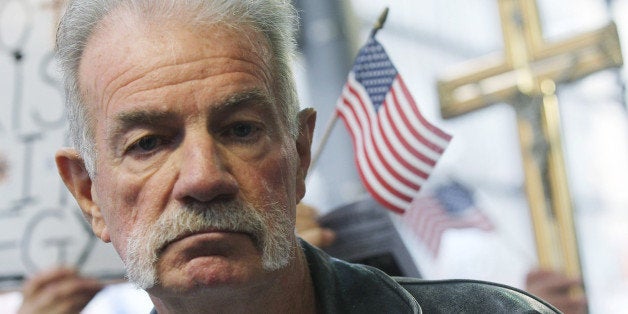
190,157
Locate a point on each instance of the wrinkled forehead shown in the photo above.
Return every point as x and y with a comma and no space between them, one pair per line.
124,41
166,32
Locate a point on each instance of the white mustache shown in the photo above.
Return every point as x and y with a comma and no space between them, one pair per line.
230,216
147,243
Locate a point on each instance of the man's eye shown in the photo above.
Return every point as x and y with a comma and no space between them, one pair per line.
242,132
242,129
147,143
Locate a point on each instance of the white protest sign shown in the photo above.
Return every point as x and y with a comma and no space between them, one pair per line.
40,224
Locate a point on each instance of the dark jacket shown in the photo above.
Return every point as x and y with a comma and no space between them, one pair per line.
343,287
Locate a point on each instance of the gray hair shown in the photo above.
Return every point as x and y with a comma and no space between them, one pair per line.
275,19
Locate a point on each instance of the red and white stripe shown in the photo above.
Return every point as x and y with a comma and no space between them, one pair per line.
396,148
430,220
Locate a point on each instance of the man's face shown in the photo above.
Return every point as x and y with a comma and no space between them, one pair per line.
187,133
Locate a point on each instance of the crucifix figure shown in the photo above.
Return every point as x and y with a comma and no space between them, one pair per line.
525,75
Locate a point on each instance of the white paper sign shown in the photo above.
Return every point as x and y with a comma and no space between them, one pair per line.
40,223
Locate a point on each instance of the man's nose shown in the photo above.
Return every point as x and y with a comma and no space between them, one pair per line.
204,175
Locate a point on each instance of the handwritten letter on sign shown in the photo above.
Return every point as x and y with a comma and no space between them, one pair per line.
40,223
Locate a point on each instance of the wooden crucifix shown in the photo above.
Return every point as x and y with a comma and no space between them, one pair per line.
525,75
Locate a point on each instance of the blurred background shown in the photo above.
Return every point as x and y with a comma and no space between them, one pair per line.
40,225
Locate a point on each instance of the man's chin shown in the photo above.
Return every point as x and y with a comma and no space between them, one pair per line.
211,245
208,259
206,276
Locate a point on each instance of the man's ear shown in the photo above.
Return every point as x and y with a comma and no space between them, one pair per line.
307,121
71,167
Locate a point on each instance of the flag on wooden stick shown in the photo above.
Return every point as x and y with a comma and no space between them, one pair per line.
451,207
395,147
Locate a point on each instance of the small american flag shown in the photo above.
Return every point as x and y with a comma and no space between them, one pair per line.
395,147
451,206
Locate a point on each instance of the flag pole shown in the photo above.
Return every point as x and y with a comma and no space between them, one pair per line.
319,149
332,122
380,22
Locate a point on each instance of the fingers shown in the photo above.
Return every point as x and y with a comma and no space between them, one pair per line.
310,230
35,284
569,304
557,289
320,237
550,281
306,217
59,290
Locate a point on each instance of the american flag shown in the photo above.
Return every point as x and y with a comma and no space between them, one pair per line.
395,147
451,206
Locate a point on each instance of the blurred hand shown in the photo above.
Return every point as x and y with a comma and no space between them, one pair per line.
310,230
58,291
554,287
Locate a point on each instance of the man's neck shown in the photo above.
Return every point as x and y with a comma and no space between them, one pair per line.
290,290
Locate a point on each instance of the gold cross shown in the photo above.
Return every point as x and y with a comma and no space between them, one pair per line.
525,74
